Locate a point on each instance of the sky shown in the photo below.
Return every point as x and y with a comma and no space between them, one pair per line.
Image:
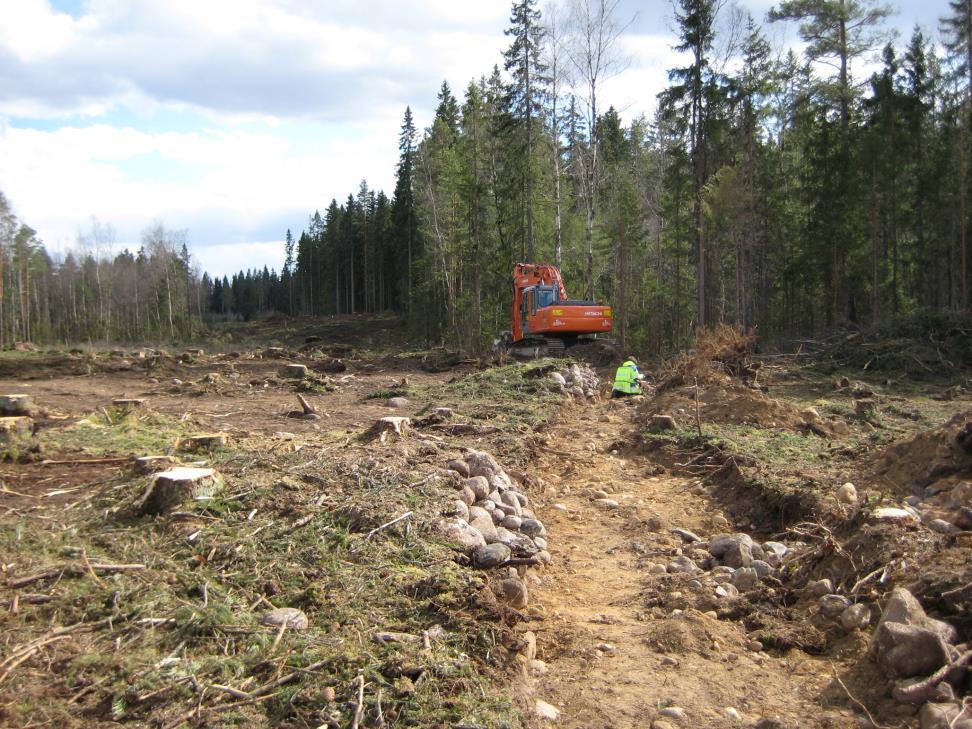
235,119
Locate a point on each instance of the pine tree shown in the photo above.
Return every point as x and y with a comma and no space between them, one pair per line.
523,98
403,206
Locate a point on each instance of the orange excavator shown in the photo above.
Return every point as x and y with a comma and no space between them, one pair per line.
545,321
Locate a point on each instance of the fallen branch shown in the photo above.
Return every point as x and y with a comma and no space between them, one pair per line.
359,706
387,524
466,429
77,461
71,570
922,691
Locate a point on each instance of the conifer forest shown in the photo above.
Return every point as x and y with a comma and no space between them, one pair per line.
796,193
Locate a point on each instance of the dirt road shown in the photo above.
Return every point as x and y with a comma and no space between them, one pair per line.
613,661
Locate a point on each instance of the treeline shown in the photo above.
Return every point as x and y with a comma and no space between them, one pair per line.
767,189
90,295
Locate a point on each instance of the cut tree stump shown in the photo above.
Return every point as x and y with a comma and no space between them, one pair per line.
16,404
15,428
396,426
129,403
294,371
153,464
203,440
171,488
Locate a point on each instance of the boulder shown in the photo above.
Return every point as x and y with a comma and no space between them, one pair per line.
482,464
397,403
491,555
774,552
903,607
721,543
459,466
682,565
904,650
202,441
847,494
533,528
461,533
479,486
745,578
484,525
855,617
739,554
832,605
461,509
511,591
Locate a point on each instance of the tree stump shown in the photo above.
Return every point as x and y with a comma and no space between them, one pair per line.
396,426
16,404
171,488
203,440
128,403
15,428
294,371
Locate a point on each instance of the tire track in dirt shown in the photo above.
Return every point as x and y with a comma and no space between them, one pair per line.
612,661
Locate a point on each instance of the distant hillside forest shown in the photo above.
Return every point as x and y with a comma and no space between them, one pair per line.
767,189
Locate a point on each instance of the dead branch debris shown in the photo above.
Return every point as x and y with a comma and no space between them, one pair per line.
72,570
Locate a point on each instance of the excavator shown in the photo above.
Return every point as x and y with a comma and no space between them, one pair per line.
545,321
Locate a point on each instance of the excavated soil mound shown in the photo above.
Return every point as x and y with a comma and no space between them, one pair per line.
942,454
732,403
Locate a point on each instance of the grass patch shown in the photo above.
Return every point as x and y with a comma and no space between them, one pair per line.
516,395
191,617
116,430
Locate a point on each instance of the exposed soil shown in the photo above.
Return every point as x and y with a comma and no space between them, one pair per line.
616,654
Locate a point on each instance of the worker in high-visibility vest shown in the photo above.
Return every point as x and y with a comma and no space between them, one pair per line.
628,379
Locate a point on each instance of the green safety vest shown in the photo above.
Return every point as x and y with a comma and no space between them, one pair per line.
627,379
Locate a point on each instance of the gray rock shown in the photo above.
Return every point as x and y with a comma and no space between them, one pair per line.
492,555
540,542
727,591
682,565
832,605
855,617
944,716
461,533
459,466
558,378
511,522
904,650
466,496
774,552
498,515
686,536
479,486
509,499
482,464
721,543
522,498
487,505
762,568
512,591
738,554
821,588
495,496
903,607
461,509
507,509
533,528
523,546
484,525
500,482
693,585
505,536
478,512
673,712
745,578
397,402
942,527
544,556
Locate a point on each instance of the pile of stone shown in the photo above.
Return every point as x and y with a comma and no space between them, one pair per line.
578,380
735,562
493,523
918,654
